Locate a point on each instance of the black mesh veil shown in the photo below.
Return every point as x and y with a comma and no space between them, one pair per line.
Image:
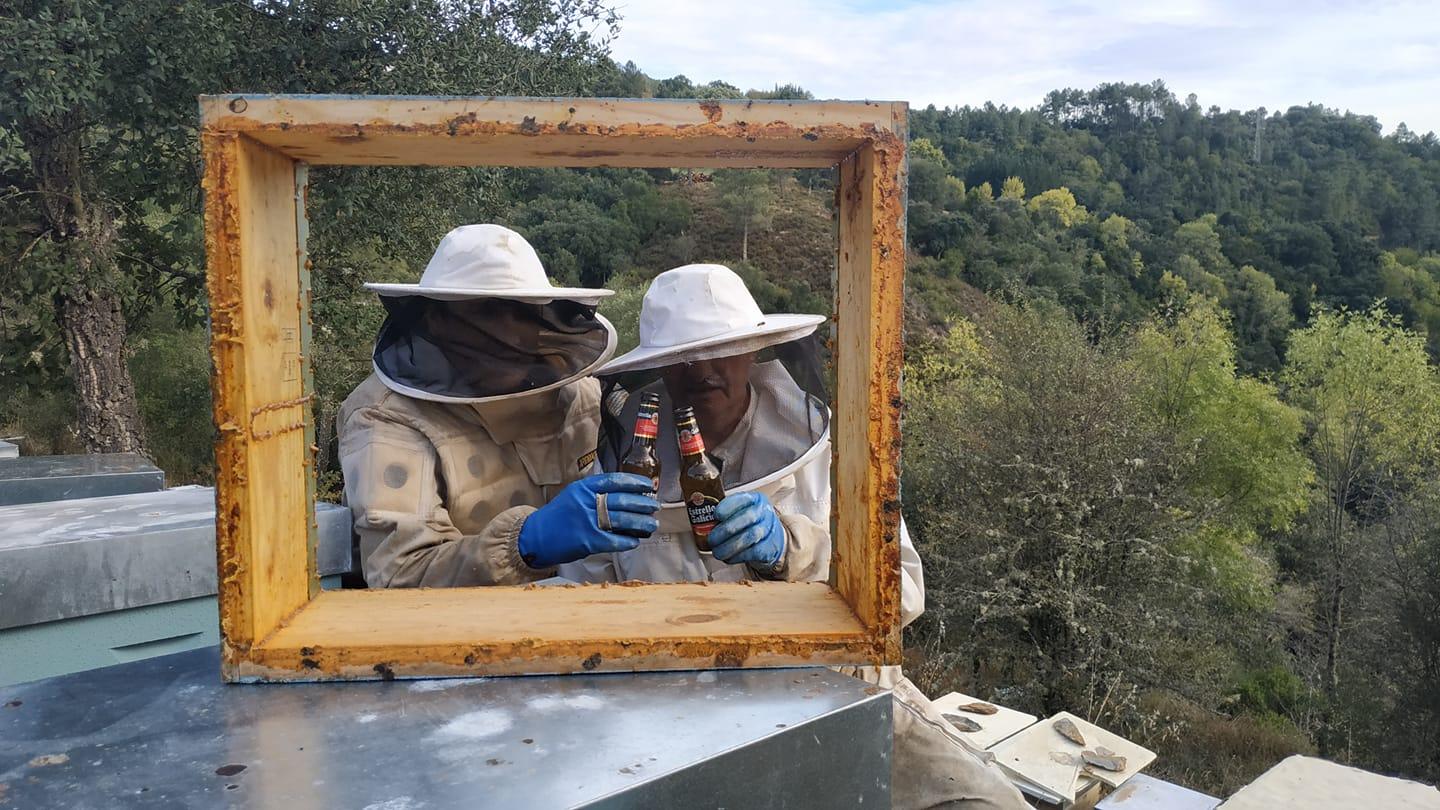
786,421
487,348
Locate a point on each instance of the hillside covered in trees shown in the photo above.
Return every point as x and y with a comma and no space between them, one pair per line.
1172,408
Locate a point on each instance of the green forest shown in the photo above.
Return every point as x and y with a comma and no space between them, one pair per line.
1172,406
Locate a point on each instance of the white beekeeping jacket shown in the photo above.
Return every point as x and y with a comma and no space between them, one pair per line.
763,455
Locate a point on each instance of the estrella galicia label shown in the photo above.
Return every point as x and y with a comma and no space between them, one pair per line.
701,509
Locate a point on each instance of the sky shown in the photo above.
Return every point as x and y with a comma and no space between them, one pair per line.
1380,59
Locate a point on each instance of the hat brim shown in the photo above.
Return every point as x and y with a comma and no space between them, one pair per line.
538,295
775,329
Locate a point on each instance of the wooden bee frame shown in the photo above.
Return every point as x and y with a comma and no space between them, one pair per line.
276,623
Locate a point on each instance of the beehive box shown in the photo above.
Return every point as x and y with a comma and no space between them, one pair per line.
276,623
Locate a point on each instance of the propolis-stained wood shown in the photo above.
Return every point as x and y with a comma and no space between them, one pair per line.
869,290
276,625
264,507
553,132
429,631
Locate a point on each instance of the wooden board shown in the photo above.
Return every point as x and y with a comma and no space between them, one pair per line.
1029,754
1137,757
277,625
264,508
994,727
501,630
305,294
869,290
1036,773
403,130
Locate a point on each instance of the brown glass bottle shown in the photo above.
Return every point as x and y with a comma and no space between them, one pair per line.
700,483
641,460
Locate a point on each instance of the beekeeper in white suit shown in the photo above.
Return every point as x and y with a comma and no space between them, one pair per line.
757,386
701,335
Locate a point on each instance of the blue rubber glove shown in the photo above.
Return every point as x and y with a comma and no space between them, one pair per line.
567,528
748,531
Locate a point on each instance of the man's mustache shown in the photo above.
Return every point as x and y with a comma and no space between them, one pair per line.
708,382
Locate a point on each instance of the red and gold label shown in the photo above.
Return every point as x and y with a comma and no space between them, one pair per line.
690,441
647,425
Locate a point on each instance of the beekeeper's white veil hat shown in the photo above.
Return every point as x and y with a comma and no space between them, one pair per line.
488,261
484,323
703,311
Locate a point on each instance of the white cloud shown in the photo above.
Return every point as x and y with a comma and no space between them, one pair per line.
1381,59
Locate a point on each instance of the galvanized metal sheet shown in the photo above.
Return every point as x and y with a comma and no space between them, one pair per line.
105,639
64,559
36,479
1143,792
167,733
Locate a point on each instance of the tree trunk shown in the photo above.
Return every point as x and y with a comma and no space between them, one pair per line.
1334,614
1328,732
107,412
87,301
745,242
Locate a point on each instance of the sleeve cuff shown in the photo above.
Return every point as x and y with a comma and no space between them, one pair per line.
510,567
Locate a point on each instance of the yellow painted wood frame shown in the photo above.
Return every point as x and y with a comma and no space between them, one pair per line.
276,623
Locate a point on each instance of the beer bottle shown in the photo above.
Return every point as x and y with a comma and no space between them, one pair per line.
700,483
641,460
